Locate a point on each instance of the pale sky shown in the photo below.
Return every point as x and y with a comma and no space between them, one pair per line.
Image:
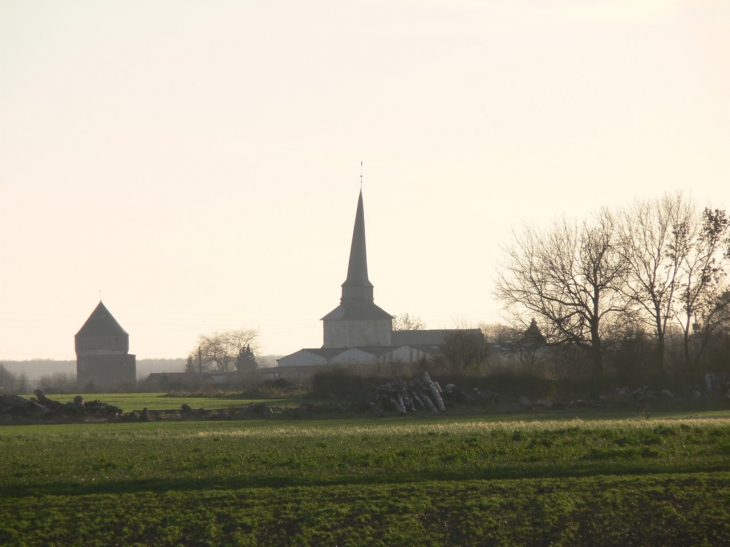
199,162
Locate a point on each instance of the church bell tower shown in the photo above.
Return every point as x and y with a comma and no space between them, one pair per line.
357,321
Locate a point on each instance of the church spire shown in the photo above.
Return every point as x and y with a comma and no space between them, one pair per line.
357,321
357,286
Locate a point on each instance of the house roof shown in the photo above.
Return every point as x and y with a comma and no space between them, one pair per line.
330,354
322,352
101,323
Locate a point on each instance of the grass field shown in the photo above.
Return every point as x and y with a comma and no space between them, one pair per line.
394,481
162,401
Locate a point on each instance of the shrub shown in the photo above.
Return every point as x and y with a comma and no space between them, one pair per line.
340,383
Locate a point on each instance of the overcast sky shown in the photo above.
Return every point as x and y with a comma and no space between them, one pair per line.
198,162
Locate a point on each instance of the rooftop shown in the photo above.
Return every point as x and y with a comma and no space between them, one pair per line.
101,323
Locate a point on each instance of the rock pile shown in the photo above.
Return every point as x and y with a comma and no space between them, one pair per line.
646,395
15,406
408,396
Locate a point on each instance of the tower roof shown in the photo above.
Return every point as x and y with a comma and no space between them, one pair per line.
351,310
357,269
357,291
101,323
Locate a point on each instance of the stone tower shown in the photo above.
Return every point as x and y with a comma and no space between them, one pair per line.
357,321
102,352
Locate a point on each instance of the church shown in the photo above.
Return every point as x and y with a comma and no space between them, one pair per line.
359,331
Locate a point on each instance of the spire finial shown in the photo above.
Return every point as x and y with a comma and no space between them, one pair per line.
360,174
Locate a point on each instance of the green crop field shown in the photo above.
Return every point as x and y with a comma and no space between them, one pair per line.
392,481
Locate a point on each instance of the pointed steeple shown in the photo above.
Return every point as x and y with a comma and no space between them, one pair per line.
357,303
101,323
357,286
101,334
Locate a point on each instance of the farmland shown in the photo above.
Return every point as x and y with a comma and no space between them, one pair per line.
391,481
163,401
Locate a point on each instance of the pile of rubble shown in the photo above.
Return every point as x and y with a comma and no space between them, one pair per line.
17,409
15,406
646,395
404,396
422,393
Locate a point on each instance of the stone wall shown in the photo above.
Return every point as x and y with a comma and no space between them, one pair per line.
106,371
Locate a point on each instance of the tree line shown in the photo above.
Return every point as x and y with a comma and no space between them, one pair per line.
652,274
58,382
233,350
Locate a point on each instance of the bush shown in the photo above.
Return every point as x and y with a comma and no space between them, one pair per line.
281,387
513,385
340,383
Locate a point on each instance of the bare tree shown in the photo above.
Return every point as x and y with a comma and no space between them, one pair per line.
220,350
703,295
527,345
464,349
654,247
59,382
568,279
496,333
404,321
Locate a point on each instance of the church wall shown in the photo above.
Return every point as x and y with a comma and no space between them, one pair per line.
353,333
